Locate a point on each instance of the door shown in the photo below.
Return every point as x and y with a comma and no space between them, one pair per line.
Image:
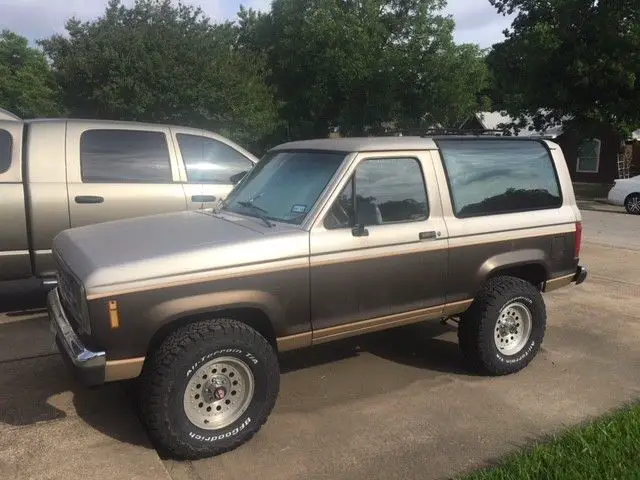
380,247
15,261
212,165
115,171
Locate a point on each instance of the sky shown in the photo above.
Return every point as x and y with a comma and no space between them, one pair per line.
476,20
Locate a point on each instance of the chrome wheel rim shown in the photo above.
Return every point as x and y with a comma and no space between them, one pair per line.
634,204
513,328
218,393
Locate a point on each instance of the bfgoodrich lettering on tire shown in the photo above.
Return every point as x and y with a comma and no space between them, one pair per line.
208,388
503,329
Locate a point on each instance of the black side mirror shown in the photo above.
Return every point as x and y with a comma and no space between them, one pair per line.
237,177
360,231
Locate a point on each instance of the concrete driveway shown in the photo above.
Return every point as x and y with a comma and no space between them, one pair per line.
394,404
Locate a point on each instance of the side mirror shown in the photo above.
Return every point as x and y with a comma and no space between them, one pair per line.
237,177
360,231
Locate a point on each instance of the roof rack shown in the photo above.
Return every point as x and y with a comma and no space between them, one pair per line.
458,132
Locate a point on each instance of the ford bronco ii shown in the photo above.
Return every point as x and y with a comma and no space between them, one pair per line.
321,240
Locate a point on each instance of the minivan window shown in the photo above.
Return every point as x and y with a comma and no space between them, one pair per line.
210,161
5,150
124,156
490,177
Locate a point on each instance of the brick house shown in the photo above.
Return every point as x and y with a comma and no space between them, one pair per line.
597,160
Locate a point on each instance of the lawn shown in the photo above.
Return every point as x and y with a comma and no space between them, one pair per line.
607,448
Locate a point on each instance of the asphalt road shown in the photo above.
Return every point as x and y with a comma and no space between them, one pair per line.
395,404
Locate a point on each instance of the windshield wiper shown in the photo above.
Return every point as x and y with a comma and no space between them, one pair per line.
260,212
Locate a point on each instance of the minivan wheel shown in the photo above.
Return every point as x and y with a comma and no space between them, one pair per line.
503,329
208,388
632,204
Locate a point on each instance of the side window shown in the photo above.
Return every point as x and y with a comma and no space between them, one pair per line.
589,156
210,161
124,156
490,177
388,190
5,150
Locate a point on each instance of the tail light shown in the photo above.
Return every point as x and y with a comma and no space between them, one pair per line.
578,239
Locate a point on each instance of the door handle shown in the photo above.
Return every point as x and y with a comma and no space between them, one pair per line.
428,235
89,199
203,198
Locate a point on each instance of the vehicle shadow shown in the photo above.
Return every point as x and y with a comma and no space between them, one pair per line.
414,345
22,297
38,387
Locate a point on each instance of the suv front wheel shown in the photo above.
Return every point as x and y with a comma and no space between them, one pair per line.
208,388
503,329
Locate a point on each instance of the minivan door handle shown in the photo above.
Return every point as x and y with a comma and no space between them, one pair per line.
203,198
427,235
89,199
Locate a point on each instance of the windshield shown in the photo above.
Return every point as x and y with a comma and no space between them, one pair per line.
284,186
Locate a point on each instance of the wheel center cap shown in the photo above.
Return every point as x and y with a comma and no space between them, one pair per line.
220,393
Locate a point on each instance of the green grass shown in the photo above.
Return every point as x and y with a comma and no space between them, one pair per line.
605,449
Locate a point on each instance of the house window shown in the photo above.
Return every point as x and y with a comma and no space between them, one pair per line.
589,156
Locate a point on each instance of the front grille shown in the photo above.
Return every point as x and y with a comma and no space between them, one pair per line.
71,296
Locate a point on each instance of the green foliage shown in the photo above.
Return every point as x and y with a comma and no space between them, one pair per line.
579,58
27,87
163,63
360,63
606,448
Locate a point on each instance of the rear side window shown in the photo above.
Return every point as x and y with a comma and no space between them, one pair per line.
210,161
5,150
124,156
491,177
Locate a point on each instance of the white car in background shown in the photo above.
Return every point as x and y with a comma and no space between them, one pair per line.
626,192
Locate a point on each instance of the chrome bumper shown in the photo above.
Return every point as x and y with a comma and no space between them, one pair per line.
87,365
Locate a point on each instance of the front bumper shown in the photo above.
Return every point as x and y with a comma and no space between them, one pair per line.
86,365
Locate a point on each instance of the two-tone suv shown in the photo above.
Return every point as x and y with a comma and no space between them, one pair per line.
322,240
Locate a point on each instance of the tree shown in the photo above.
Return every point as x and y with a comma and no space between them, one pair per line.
570,62
163,63
27,86
360,63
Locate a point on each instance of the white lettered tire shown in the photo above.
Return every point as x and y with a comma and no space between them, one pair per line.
208,388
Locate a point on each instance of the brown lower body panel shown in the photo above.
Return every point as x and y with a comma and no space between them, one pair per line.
325,335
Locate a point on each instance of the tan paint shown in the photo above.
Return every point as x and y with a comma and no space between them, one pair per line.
202,277
114,316
559,282
294,342
123,369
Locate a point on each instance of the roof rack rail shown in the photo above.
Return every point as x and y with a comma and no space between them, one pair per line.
475,132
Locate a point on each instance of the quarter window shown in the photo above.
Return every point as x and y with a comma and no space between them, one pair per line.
388,190
490,177
124,156
210,161
5,150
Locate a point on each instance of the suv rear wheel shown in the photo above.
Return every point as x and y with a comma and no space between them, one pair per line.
503,329
208,388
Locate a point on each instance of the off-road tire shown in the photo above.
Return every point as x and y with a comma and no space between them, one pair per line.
167,372
628,202
477,325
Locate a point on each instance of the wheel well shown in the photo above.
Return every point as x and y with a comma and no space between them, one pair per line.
253,317
630,195
533,273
